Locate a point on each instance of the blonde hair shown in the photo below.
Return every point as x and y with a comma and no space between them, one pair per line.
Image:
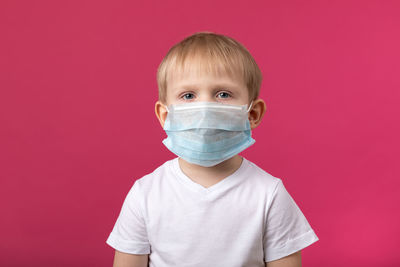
216,54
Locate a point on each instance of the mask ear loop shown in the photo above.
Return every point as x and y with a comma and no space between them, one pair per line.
249,107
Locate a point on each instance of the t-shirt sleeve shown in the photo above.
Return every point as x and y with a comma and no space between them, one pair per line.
129,234
286,230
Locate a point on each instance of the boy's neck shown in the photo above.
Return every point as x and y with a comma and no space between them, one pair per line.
208,176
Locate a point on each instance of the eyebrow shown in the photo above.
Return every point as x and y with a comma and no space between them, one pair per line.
218,85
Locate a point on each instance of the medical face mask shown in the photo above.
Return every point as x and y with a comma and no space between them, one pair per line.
207,133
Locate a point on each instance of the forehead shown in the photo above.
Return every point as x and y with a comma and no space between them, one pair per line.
196,68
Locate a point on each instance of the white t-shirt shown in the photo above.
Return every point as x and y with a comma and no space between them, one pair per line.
246,219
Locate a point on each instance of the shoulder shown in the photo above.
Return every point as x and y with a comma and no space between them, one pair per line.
154,179
261,179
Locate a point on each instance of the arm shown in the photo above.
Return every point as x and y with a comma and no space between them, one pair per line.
293,260
122,259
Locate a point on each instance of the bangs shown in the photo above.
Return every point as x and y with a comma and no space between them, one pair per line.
205,62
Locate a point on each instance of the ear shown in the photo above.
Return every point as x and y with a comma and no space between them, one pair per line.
161,112
257,112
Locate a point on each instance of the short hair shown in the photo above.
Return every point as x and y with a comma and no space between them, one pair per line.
216,54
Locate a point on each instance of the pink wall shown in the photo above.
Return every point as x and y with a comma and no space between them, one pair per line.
77,94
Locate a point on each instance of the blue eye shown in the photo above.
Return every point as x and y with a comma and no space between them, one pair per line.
188,96
224,95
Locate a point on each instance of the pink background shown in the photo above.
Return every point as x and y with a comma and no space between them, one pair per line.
78,87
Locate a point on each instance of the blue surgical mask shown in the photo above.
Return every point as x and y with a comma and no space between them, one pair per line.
207,133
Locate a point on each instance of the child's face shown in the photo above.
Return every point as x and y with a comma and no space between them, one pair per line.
206,88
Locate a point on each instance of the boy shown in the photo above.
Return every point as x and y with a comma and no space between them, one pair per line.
209,206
